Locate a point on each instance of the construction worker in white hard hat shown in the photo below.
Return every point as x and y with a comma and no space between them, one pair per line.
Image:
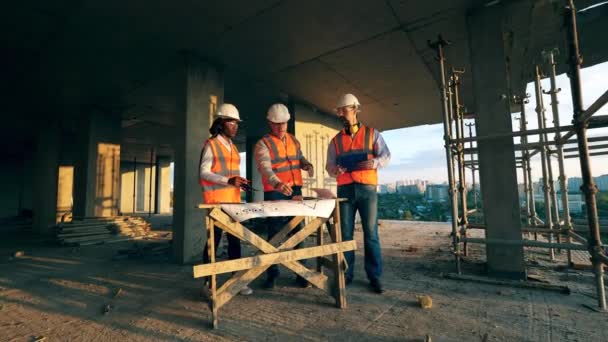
220,173
280,161
353,157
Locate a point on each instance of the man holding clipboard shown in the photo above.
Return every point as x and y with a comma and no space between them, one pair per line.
353,157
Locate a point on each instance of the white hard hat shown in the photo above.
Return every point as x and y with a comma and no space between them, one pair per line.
227,111
278,113
347,100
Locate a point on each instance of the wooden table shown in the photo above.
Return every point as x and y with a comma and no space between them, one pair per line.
279,250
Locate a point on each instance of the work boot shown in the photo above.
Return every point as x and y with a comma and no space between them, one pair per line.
376,286
246,291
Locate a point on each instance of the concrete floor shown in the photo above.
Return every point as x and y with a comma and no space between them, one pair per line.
61,293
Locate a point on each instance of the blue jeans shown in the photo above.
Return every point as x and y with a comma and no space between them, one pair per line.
276,223
364,198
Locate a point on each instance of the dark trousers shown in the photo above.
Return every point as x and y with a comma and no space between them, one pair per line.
234,246
275,224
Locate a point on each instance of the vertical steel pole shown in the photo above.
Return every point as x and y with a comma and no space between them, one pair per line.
470,126
524,166
462,189
438,46
543,156
552,192
528,167
560,151
588,187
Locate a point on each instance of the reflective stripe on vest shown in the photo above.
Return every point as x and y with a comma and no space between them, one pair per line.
227,164
363,142
284,160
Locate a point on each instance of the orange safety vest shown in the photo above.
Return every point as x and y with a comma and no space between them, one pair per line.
225,163
284,159
362,143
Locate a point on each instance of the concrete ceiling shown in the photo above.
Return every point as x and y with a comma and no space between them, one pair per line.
122,54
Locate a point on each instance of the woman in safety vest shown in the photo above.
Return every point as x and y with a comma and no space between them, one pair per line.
220,173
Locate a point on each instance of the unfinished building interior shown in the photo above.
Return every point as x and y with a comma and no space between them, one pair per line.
101,97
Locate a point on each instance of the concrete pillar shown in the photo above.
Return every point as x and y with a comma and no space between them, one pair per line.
314,130
252,171
46,166
164,186
203,91
65,187
496,156
97,167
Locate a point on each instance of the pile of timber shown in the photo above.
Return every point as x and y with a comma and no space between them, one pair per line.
101,230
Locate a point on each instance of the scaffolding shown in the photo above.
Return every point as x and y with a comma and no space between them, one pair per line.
552,227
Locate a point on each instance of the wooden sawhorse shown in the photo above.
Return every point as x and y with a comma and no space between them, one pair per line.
275,251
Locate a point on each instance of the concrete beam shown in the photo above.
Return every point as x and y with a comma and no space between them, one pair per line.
496,156
203,91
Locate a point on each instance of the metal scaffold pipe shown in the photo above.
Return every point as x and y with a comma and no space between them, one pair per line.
588,187
447,121
459,118
544,160
560,149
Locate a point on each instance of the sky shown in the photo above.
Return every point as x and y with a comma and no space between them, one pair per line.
418,152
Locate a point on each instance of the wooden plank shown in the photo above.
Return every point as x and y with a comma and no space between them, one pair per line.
293,223
272,258
237,282
320,243
301,235
226,223
340,281
213,280
242,278
325,262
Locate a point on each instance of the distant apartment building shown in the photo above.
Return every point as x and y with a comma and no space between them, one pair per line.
412,189
602,182
575,203
437,192
574,184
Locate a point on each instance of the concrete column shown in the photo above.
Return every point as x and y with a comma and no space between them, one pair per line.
164,186
157,191
496,156
46,166
203,91
252,171
97,167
